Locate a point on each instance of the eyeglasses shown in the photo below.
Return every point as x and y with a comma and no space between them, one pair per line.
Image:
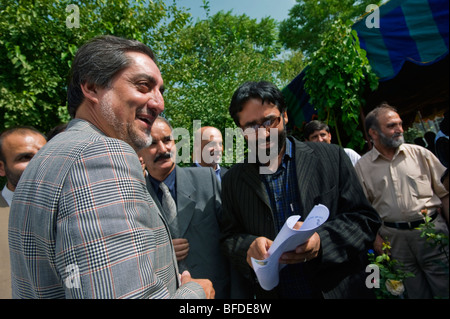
271,123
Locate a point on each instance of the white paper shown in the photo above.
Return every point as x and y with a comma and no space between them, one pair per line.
288,239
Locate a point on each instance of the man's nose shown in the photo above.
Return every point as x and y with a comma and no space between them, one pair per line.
161,146
156,102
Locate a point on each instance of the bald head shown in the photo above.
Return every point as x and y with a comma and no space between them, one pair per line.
17,147
208,152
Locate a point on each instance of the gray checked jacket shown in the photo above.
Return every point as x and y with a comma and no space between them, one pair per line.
84,226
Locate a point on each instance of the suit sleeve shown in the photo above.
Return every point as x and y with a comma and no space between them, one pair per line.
109,228
351,231
235,239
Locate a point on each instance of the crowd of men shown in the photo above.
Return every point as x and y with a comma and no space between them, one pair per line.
102,210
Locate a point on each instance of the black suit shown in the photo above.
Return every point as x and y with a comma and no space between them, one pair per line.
325,175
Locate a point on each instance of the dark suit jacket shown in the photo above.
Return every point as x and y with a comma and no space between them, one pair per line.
198,206
82,212
223,170
326,176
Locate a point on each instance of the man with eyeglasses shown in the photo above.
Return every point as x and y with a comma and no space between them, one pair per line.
282,177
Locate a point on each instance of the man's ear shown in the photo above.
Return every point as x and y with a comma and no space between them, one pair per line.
90,92
372,133
285,117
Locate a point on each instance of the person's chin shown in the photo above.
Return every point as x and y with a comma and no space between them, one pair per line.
166,163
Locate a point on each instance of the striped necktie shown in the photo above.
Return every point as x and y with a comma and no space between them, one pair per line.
169,210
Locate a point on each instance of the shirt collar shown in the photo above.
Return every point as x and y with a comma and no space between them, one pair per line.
288,154
169,181
375,154
216,170
7,195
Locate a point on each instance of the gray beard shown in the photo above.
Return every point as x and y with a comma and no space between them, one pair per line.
125,131
390,141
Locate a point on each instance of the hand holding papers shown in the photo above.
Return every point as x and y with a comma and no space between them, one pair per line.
288,239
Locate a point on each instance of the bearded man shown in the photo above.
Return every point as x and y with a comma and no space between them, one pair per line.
282,177
402,181
82,224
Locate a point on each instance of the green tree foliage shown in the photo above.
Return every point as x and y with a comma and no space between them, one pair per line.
212,58
336,79
38,41
308,19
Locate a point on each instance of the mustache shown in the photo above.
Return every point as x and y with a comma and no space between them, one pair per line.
162,156
397,135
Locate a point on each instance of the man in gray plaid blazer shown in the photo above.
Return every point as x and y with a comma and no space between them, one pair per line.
82,223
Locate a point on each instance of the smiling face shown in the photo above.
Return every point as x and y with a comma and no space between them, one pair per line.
160,156
253,113
128,108
211,146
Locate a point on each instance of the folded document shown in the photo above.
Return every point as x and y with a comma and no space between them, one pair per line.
288,239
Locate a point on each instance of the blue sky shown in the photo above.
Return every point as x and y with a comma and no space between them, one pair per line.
256,9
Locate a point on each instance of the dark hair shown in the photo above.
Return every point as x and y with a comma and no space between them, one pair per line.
313,126
97,62
263,90
372,118
443,125
56,130
23,130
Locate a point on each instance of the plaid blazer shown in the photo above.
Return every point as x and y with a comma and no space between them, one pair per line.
84,226
325,176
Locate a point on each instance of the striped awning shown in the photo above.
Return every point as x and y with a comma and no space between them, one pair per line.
409,30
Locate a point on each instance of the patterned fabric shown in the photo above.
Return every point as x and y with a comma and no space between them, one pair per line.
283,194
84,225
170,209
284,200
325,175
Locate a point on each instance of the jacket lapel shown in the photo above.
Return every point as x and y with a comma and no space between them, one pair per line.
250,174
305,162
185,203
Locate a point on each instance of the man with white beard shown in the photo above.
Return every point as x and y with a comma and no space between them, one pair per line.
402,181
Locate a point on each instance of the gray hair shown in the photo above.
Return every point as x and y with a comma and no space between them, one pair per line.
97,62
372,117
